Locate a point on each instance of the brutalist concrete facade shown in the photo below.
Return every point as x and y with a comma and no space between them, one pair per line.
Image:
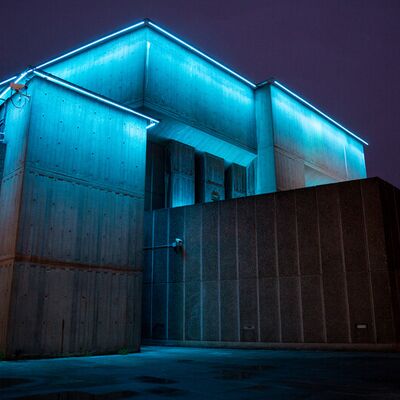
140,120
316,267
71,226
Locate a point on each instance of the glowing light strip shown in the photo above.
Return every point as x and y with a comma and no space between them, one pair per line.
103,39
319,112
94,96
130,28
8,80
156,27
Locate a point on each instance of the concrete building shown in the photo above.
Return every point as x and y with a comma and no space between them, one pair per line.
100,149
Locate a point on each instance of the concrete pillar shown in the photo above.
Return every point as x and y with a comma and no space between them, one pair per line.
236,181
210,178
265,169
180,174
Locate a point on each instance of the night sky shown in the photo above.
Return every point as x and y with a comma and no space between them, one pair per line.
343,56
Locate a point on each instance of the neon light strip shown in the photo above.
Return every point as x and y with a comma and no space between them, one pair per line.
8,80
103,39
201,54
319,111
94,96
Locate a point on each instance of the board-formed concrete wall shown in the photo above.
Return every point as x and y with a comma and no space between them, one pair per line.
71,213
309,149
316,266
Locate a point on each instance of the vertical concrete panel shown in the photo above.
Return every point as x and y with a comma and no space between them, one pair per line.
307,231
336,309
266,236
312,309
192,310
6,272
229,311
248,310
374,224
334,283
390,200
246,232
290,308
176,231
385,330
210,242
360,307
269,310
353,229
192,243
147,310
286,233
227,240
175,311
159,314
211,311
160,256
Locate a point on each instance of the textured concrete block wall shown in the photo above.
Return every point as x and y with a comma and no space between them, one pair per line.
71,206
304,266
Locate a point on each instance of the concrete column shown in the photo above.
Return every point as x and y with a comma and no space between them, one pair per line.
265,168
210,178
180,174
236,181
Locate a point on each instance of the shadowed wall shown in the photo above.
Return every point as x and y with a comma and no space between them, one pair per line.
317,265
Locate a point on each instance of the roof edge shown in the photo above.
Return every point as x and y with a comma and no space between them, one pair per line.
274,82
68,85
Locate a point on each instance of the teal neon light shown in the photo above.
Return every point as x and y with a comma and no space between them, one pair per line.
8,80
103,39
131,28
285,89
200,53
186,45
102,99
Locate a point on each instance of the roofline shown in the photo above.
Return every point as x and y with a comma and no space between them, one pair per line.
200,53
155,27
95,96
274,82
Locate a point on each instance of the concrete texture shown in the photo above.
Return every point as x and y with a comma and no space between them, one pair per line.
186,373
71,238
212,110
316,266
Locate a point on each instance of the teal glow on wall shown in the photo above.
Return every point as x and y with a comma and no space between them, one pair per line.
300,133
202,103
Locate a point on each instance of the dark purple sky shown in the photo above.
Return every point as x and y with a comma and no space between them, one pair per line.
343,56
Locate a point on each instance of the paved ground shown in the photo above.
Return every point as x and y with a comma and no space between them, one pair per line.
186,373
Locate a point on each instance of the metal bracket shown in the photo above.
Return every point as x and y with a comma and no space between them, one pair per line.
177,245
